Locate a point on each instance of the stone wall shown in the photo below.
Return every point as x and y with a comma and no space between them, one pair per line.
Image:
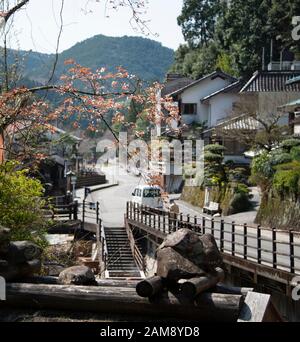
278,213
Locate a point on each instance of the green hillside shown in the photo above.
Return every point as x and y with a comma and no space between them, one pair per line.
146,58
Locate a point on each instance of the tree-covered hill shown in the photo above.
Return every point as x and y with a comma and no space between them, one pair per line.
146,58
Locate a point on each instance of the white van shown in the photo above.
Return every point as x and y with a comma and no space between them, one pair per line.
148,195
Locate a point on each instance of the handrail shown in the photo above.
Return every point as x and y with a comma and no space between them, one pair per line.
101,240
64,210
137,255
233,239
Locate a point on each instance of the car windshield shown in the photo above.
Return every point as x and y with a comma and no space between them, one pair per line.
151,193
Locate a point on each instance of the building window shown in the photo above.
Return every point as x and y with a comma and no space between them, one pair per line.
189,108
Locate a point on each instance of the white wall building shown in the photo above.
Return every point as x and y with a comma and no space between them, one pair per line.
207,100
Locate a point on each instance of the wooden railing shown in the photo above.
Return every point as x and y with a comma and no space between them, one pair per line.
137,255
90,211
102,248
279,249
62,211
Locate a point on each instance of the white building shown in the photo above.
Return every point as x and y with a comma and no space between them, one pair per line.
208,99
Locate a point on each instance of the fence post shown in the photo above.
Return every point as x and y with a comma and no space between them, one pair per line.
259,244
245,241
164,223
196,228
75,211
188,220
222,236
134,211
83,211
233,238
213,227
181,220
292,252
203,224
274,249
159,222
127,209
71,210
98,212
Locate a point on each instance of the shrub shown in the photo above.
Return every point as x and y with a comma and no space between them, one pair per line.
281,158
240,203
213,157
286,182
289,144
215,148
241,189
295,153
21,204
238,175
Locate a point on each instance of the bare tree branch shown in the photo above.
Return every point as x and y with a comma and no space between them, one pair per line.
13,10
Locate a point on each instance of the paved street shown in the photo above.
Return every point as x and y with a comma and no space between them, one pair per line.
113,207
113,200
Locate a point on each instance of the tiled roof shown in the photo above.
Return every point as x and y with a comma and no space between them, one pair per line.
242,122
234,86
175,84
213,75
272,81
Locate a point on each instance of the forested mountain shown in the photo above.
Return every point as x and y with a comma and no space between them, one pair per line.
146,58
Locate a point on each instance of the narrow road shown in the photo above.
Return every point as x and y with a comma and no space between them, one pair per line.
113,200
113,207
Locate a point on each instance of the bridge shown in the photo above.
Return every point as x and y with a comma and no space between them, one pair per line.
266,257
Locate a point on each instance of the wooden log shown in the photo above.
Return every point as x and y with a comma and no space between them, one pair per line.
192,287
49,280
208,307
149,287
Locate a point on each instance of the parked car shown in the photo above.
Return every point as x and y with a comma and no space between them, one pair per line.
148,195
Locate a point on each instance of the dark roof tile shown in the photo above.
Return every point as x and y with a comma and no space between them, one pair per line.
272,81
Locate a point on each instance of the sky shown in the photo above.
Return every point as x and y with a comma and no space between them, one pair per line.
37,26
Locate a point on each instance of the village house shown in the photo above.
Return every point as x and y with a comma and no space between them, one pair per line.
263,97
214,108
202,105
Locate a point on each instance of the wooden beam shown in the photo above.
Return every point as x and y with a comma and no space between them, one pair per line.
208,307
150,287
192,287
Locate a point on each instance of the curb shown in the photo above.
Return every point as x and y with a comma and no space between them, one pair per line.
104,187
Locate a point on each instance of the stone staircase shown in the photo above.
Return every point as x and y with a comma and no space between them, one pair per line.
121,263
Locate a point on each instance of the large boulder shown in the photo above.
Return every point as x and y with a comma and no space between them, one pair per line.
173,266
184,255
212,255
187,243
22,251
77,275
